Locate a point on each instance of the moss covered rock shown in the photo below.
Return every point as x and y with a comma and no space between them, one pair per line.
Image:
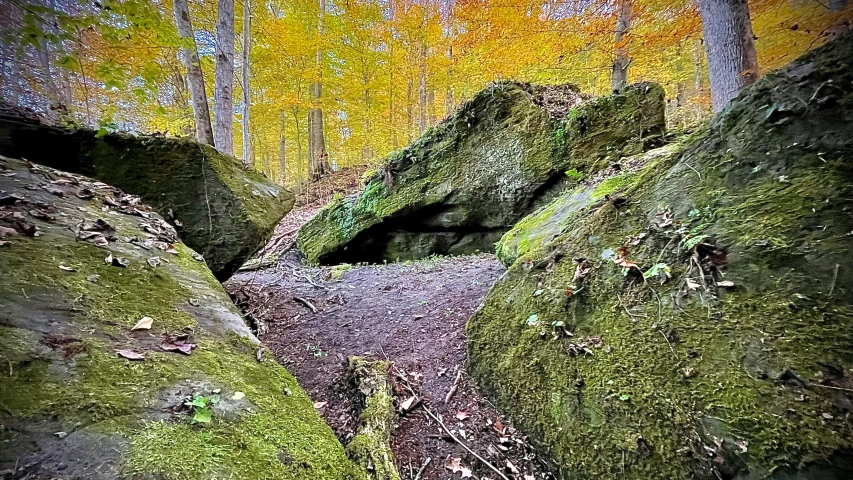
698,321
464,183
222,211
82,395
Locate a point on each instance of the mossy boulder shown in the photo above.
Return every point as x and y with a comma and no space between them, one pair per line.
465,182
698,321
84,396
222,211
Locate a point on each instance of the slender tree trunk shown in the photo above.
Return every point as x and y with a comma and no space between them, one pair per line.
282,150
391,128
409,108
448,94
697,66
298,165
195,76
732,61
619,77
223,100
422,93
248,154
318,162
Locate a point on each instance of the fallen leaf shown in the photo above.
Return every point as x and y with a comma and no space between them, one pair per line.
130,355
154,261
171,249
178,346
512,468
582,270
455,465
827,415
499,426
144,324
109,259
319,405
238,396
460,415
67,269
407,405
692,285
726,284
621,259
417,376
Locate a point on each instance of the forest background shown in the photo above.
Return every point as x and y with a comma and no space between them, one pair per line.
361,77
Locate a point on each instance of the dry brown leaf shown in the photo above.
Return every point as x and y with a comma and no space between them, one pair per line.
130,355
67,269
144,324
319,405
460,415
726,284
455,465
499,426
512,468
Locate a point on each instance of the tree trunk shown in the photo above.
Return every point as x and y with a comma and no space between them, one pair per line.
619,77
732,61
195,76
409,108
248,154
297,167
318,162
223,105
422,93
697,66
282,150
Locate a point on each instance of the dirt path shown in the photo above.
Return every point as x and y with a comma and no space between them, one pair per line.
411,313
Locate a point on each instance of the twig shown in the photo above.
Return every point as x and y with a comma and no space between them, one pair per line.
834,279
306,303
421,471
454,387
472,452
831,387
668,343
206,198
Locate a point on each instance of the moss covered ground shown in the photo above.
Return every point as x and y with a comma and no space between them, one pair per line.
59,330
737,365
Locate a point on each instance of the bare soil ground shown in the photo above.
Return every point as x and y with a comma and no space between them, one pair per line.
411,313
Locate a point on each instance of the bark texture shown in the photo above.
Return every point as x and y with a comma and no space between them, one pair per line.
223,100
195,77
318,159
619,77
248,153
732,61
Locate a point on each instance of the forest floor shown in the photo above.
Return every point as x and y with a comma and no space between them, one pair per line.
412,314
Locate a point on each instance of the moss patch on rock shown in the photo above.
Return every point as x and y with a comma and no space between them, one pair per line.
227,213
469,179
59,332
736,366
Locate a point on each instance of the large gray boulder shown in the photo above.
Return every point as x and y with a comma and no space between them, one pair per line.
692,316
222,211
83,395
464,183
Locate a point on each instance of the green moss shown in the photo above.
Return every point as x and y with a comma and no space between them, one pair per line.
682,372
371,445
337,272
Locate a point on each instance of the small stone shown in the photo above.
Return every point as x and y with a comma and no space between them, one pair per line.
827,415
61,435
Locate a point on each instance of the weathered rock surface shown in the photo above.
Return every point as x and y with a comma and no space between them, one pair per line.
464,183
698,321
77,275
222,211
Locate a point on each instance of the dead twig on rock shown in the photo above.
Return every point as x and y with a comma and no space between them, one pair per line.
306,303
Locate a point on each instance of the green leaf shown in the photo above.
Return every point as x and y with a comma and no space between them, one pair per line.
538,292
202,415
658,270
533,320
624,397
